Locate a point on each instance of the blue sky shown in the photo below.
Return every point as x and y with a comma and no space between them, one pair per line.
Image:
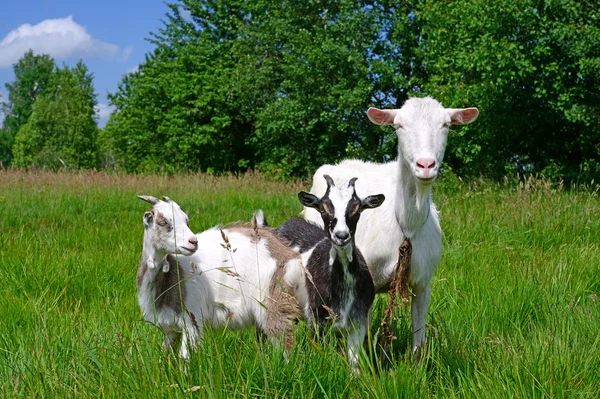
109,37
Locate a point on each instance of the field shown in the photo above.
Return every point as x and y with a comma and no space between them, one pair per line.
515,310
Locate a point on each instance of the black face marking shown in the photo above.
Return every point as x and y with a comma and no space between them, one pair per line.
327,215
353,210
327,206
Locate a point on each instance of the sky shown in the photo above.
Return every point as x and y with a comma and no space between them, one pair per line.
109,37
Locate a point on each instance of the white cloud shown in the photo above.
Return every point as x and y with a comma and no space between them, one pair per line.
62,38
134,69
103,112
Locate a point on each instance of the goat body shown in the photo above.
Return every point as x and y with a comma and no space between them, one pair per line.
344,286
338,284
238,277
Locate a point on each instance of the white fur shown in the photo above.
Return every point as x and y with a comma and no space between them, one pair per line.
340,196
422,129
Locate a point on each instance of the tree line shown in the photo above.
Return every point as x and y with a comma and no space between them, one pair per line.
49,116
283,86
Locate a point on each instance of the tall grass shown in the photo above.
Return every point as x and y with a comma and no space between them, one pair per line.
514,312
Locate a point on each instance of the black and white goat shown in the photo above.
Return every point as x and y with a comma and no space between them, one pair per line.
236,276
338,282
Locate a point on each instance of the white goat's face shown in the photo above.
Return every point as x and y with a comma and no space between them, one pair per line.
168,226
422,126
340,209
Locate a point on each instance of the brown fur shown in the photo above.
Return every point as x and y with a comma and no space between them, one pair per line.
398,287
168,292
283,307
281,304
141,272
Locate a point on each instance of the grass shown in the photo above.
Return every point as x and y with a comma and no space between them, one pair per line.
514,312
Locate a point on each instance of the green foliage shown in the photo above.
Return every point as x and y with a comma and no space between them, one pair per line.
61,131
281,86
284,85
533,69
514,308
32,76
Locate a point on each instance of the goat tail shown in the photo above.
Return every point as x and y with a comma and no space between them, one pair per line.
259,219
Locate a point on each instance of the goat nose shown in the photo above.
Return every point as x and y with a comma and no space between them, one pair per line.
193,241
342,235
425,163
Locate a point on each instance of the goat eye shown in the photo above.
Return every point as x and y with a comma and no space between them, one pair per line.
165,223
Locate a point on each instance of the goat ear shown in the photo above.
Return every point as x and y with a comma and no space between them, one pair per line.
148,219
381,116
309,200
462,116
373,201
149,198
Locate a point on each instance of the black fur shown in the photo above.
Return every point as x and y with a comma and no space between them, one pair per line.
329,287
299,232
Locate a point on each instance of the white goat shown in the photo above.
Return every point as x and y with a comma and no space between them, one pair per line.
236,277
422,128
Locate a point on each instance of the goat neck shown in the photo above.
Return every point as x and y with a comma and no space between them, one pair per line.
153,258
344,255
413,200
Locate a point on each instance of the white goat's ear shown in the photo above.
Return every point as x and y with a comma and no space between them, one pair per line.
381,116
148,219
462,116
149,198
309,200
373,201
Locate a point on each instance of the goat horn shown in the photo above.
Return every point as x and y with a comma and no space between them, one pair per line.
351,182
149,198
329,180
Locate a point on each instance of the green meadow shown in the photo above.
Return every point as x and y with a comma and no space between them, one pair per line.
515,309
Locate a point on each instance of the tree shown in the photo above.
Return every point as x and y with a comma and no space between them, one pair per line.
533,69
32,75
284,85
242,83
61,131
